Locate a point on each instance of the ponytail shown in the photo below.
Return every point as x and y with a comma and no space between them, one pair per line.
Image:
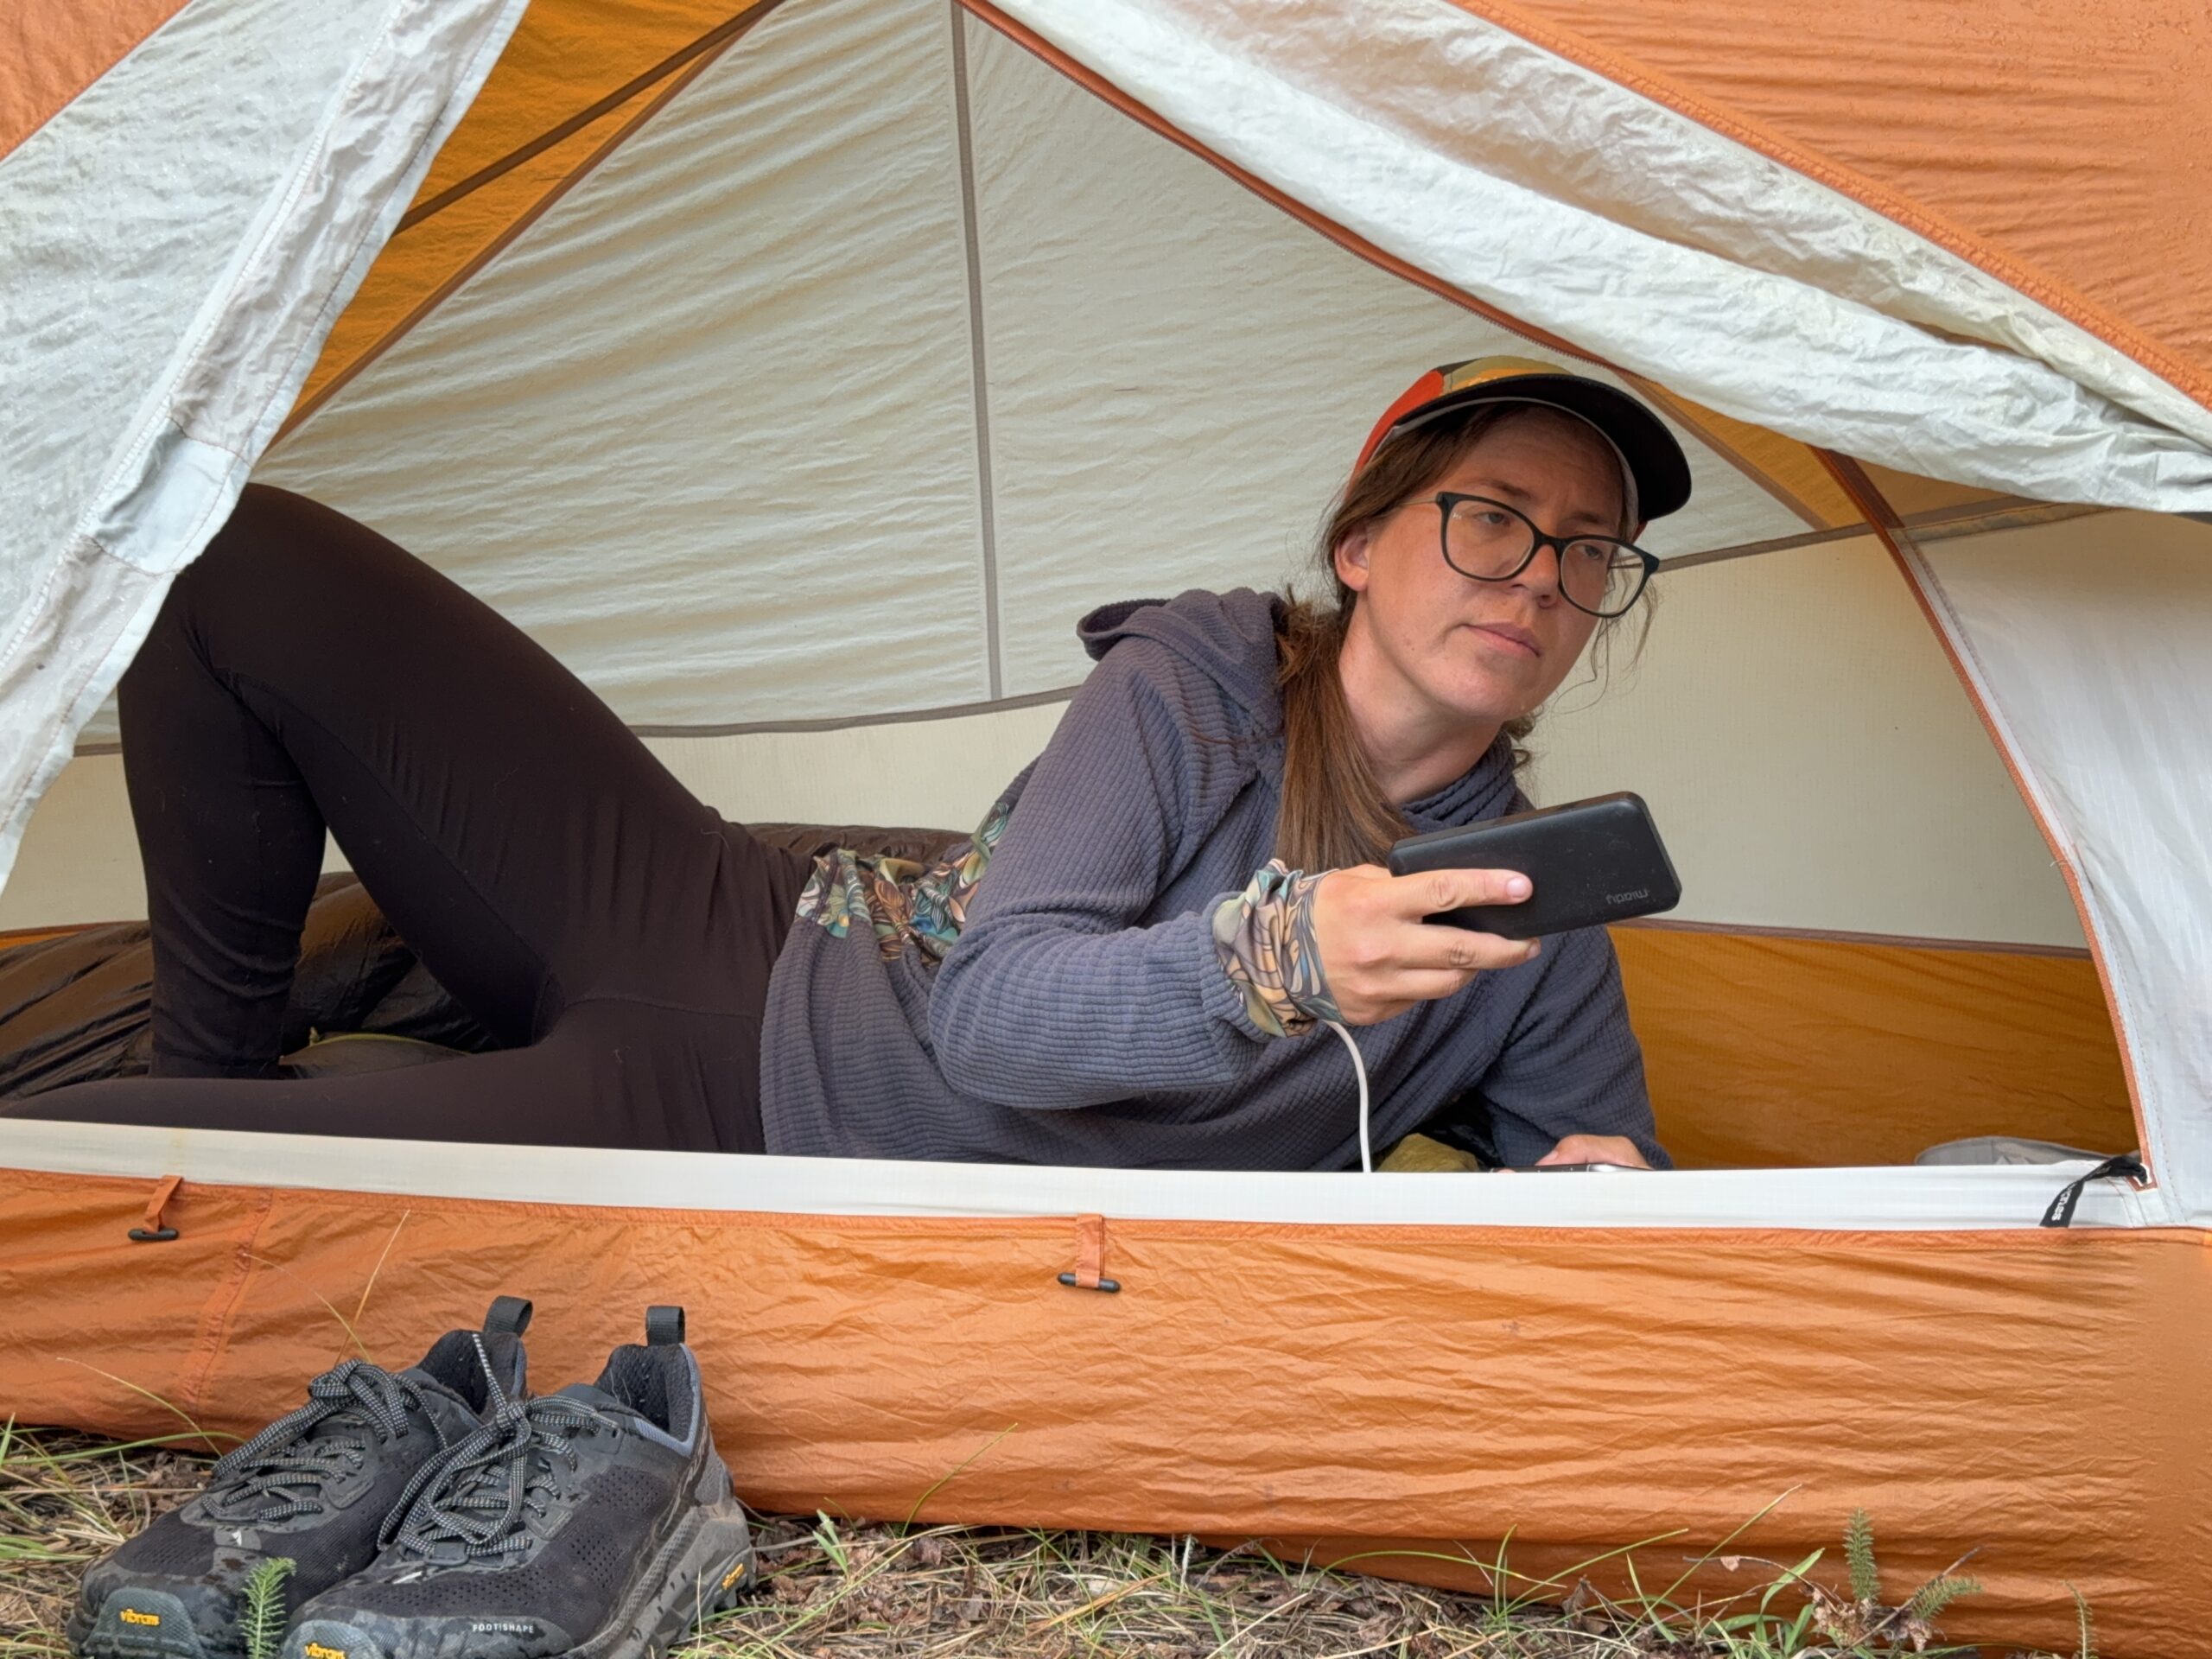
1333,813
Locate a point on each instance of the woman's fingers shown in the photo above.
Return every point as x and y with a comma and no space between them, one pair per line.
1411,985
1437,944
1381,956
1379,949
1406,983
1596,1149
1432,892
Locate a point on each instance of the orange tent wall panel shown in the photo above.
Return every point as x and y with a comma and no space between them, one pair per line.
1763,1050
2036,1395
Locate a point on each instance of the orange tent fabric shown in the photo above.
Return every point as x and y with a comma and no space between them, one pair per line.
2067,150
1434,1386
51,50
1768,1050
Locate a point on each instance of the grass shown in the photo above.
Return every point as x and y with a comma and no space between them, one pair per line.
833,1591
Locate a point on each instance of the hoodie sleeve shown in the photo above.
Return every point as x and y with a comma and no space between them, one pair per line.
1572,1064
1053,996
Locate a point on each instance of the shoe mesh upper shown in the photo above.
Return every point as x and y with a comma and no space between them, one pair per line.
284,1504
325,1548
171,1547
574,1581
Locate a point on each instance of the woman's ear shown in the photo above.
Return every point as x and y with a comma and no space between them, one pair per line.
1351,558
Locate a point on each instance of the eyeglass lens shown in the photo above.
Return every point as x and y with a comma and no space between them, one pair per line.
1491,541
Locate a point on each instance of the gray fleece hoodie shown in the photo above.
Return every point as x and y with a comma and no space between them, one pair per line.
1083,1016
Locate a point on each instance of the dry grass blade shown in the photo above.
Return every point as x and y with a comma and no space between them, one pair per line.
840,1590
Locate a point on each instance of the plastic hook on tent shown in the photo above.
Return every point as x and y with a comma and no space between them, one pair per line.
153,1230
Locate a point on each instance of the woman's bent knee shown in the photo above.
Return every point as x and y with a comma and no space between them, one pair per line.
265,537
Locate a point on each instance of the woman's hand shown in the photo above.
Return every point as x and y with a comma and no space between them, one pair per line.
1379,955
1595,1149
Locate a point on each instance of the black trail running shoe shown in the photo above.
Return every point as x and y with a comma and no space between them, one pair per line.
594,1523
314,1486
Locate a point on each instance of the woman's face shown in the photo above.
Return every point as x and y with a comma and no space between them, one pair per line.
1485,650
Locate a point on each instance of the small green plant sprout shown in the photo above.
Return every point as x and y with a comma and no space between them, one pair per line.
1864,1621
828,1539
1859,1553
263,1626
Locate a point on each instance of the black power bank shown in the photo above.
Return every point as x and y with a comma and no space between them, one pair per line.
1589,863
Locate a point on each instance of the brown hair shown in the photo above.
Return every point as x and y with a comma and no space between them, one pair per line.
1333,813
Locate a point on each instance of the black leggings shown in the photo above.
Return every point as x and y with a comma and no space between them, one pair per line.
589,910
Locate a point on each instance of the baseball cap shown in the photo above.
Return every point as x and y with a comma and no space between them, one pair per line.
1652,462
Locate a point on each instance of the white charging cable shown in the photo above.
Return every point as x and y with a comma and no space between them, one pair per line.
1359,1068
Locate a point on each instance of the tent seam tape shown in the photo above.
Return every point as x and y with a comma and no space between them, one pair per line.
309,408
860,722
2076,308
1854,940
978,367
274,225
1358,247
611,104
832,723
11,937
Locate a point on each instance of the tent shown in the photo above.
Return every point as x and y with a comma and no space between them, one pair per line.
798,373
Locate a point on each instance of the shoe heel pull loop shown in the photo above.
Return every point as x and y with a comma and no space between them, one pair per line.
508,1316
664,1326
153,1230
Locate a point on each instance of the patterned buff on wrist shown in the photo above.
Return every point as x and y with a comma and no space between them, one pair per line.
1264,937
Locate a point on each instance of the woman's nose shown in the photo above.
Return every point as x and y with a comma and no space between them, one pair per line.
1541,575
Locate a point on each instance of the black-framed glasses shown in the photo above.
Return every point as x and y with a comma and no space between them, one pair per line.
1490,541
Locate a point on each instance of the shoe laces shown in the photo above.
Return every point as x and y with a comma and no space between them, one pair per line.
480,1497
281,1473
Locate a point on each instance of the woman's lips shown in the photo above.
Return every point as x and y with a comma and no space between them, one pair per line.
1519,640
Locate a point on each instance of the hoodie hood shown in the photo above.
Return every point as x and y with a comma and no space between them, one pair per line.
1229,636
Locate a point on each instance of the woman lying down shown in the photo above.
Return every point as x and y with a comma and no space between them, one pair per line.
1130,965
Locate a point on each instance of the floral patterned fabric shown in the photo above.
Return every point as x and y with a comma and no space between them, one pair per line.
1264,937
905,902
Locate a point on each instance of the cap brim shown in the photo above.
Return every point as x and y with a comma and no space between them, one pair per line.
1662,471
